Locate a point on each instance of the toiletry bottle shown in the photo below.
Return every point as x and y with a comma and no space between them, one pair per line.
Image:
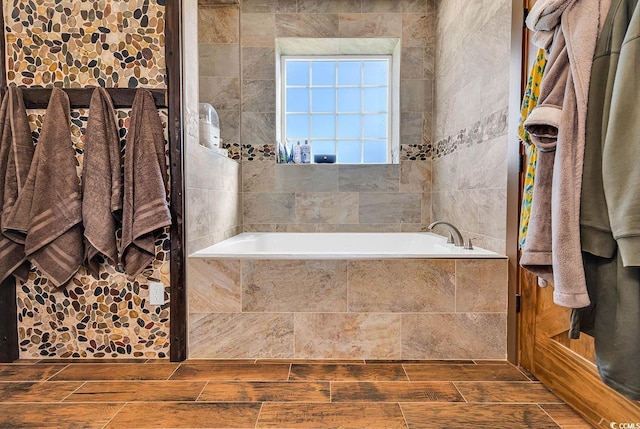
306,153
297,153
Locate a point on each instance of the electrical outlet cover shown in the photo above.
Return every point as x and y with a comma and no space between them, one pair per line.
156,293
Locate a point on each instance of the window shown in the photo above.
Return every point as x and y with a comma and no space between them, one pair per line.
340,105
341,96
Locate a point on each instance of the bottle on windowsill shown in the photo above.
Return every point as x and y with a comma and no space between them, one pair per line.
297,154
306,153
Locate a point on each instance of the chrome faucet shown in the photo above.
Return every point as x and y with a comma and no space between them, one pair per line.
454,234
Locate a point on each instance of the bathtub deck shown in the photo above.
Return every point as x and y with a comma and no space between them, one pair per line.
256,394
405,245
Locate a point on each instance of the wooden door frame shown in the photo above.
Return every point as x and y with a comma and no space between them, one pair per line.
513,176
9,347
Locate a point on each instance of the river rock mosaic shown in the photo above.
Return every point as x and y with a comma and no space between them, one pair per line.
258,152
481,131
415,152
110,43
106,317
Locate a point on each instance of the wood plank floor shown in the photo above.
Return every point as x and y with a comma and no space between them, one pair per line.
276,394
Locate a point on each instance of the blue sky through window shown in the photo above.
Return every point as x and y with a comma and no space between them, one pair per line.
340,106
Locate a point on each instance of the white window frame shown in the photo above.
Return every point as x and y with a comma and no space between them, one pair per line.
343,49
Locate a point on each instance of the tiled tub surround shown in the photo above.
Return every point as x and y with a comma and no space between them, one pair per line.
336,198
347,308
237,76
472,59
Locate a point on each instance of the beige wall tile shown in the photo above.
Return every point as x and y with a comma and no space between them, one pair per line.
198,213
218,24
258,63
445,173
229,125
307,178
329,207
304,227
369,178
382,6
411,123
485,165
241,336
413,95
454,336
481,285
258,128
268,207
294,286
370,227
213,285
269,6
427,209
219,59
222,92
418,29
329,6
370,25
406,285
492,212
258,29
412,63
415,176
456,207
259,176
308,25
390,208
259,95
347,336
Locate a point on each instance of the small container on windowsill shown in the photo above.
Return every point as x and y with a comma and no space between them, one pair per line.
324,159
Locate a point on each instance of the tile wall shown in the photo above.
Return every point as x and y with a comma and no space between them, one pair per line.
469,176
355,309
318,197
213,182
76,44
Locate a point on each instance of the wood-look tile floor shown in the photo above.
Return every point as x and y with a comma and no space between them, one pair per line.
276,394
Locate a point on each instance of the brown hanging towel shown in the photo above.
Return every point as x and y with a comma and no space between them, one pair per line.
50,205
101,182
145,208
16,153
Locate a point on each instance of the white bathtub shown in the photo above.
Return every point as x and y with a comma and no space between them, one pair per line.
340,245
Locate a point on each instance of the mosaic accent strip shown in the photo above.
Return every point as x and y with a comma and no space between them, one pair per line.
492,126
108,317
110,43
415,152
234,150
258,153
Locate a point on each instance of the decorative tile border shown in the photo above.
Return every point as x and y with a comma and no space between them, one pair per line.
488,128
110,43
415,152
234,150
258,153
94,318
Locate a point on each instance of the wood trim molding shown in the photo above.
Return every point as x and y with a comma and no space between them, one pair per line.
173,55
576,381
38,98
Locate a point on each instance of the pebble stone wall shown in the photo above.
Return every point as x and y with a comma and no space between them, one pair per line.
74,44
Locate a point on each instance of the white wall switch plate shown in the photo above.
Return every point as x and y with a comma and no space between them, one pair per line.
156,293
